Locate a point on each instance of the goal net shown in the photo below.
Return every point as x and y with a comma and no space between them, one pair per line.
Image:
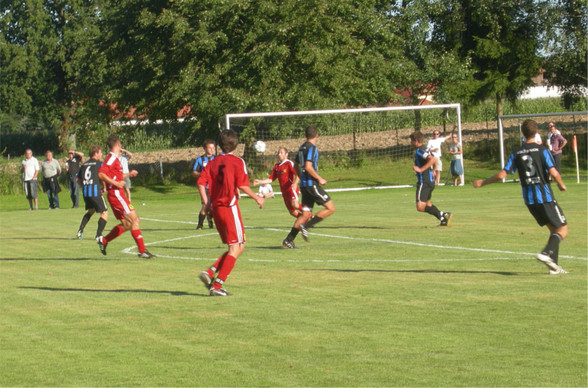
570,125
374,140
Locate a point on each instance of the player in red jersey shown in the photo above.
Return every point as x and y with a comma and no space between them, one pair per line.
286,175
225,175
111,173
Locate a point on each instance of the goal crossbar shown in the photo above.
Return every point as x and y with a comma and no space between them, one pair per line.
229,116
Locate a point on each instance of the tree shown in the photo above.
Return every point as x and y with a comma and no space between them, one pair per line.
565,39
500,37
51,69
227,56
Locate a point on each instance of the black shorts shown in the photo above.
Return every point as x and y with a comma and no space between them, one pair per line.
313,194
548,213
424,191
96,203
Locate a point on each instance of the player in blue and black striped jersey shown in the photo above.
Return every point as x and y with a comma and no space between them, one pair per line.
201,162
535,165
92,191
423,166
310,188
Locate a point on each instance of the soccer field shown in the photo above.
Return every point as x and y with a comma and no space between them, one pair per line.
379,296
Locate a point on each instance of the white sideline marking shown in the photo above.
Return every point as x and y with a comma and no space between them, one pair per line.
397,242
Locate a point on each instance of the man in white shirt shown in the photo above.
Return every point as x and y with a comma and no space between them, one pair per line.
30,170
434,147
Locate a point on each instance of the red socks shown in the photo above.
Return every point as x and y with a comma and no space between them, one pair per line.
138,239
114,233
226,266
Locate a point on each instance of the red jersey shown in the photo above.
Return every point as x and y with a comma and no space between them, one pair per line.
285,173
224,175
112,168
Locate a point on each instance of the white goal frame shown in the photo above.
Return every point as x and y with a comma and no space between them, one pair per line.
529,115
227,118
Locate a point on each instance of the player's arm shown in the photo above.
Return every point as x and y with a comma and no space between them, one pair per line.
257,182
557,178
500,175
105,178
202,191
247,190
430,161
131,174
309,168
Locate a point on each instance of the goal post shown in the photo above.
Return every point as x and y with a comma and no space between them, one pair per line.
374,139
572,125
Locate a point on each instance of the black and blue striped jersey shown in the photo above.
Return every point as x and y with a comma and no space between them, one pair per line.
88,175
201,162
533,162
420,159
307,153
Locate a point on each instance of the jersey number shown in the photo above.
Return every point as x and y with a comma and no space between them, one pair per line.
88,176
530,170
221,174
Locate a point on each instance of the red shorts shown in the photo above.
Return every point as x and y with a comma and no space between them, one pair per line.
229,224
119,204
290,194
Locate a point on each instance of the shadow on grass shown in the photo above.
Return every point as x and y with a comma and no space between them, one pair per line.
502,273
40,238
140,291
57,259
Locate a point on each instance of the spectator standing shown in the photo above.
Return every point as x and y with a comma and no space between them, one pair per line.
549,134
72,166
456,152
556,143
51,170
30,171
124,158
434,147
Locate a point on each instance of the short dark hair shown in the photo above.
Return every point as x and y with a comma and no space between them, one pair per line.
417,136
112,140
206,142
228,140
311,131
529,128
94,150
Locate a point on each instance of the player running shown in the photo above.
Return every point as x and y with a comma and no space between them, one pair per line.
535,165
310,186
201,162
226,175
423,161
285,173
92,190
111,174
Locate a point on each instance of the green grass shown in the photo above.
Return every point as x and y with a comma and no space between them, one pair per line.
380,296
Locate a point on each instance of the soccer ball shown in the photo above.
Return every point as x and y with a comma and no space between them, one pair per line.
259,146
266,191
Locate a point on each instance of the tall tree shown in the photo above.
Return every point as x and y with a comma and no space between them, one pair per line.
566,27
500,37
49,62
222,56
